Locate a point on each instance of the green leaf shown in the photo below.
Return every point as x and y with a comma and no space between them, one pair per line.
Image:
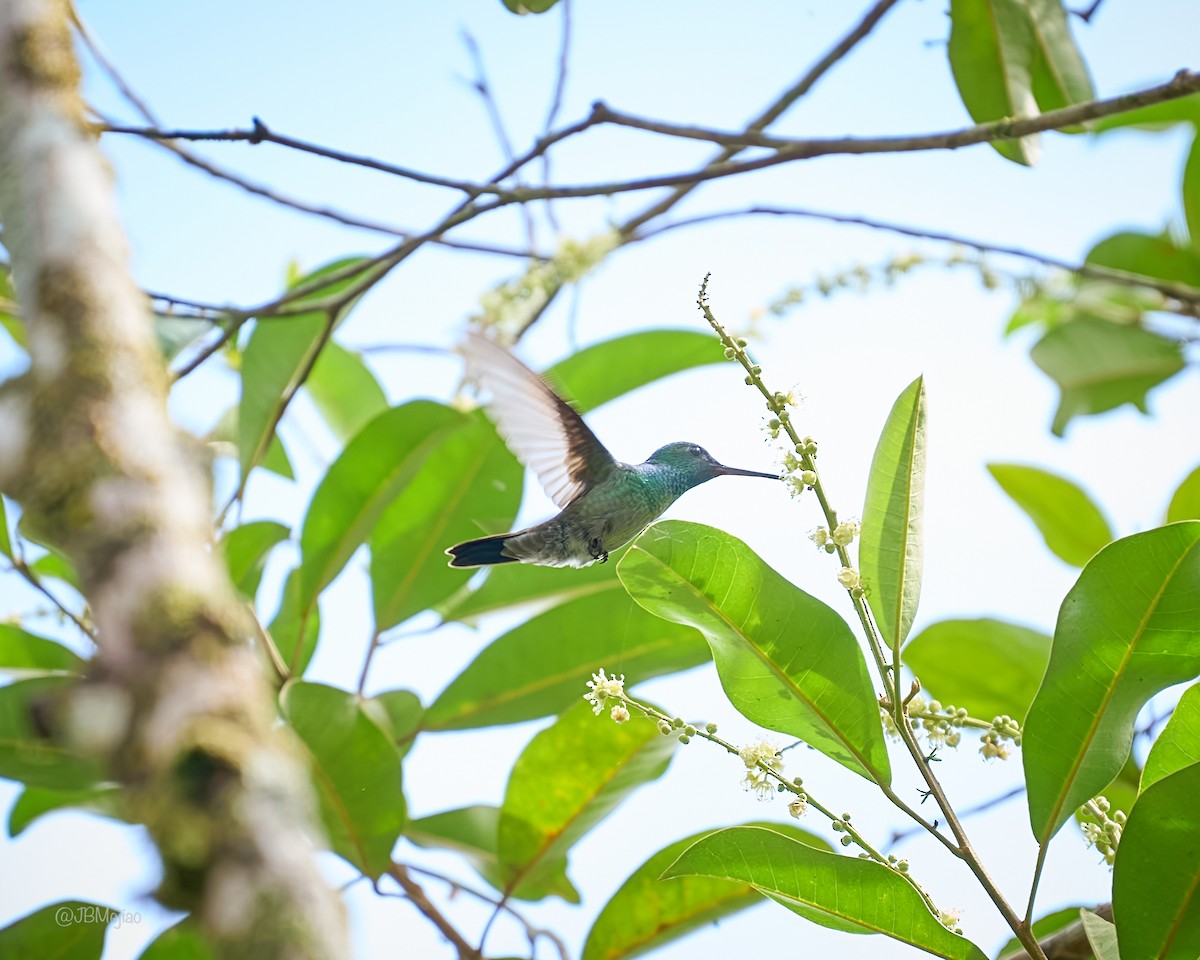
516,585
991,54
176,333
180,942
529,6
610,369
1099,366
5,542
23,651
295,631
786,661
278,355
356,768
246,549
471,832
530,672
402,713
990,667
1070,522
1060,77
224,436
827,888
1101,934
36,802
890,550
10,319
345,391
469,477
1156,877
1191,193
1159,257
1042,928
569,778
1178,745
1126,630
69,930
1157,116
1185,501
25,753
381,460
648,912
54,565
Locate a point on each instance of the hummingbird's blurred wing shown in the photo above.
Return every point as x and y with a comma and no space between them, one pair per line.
541,428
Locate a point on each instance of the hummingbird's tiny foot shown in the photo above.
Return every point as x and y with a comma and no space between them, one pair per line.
597,551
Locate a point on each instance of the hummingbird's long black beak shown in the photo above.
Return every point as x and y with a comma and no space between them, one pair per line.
724,471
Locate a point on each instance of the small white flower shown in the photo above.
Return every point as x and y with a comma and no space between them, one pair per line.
845,532
755,756
619,713
848,577
819,536
602,687
797,807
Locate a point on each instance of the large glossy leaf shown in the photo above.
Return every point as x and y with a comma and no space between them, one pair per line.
295,631
541,666
607,370
991,54
890,550
1099,366
1156,877
356,769
990,667
1178,745
278,355
1185,501
569,778
648,912
786,660
831,889
515,585
36,802
21,652
1060,77
401,715
376,465
246,549
471,832
1158,256
1070,522
28,755
468,478
70,930
1127,629
344,391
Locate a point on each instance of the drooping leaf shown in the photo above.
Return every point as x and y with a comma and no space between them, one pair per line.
609,369
469,476
223,438
1156,877
648,912
890,549
569,778
990,667
1159,257
376,465
531,672
1060,77
1101,934
1185,501
1178,745
69,930
1126,630
26,753
246,549
1099,366
991,54
1070,522
1043,927
471,832
356,770
786,661
345,391
295,631
21,651
36,802
400,713
180,942
828,888
10,318
5,543
277,356
512,585
1157,116
1191,193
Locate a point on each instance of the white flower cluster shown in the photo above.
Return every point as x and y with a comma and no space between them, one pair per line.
759,757
601,688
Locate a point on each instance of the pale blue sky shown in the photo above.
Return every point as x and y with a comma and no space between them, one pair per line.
387,79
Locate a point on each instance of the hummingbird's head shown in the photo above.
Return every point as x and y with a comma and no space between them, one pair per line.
695,465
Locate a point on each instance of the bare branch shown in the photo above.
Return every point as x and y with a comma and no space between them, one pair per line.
413,891
1070,943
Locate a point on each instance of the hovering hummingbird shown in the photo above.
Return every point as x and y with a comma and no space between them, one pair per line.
605,503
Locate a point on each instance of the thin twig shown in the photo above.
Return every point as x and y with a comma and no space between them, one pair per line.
413,891
22,568
899,836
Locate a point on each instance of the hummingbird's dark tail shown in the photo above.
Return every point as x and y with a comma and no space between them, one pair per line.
483,552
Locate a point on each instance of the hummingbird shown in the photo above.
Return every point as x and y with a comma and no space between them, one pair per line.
605,503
